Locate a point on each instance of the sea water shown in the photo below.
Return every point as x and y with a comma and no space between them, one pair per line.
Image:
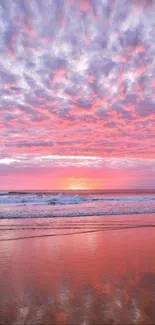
43,204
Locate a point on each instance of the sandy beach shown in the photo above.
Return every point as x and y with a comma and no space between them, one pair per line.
101,273
77,162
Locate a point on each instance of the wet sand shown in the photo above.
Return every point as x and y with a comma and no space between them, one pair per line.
78,270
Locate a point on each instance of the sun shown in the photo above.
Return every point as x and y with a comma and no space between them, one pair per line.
78,187
77,184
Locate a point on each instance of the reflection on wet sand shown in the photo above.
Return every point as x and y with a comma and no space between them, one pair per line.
103,277
125,302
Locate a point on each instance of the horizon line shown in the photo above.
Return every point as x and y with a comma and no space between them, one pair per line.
78,190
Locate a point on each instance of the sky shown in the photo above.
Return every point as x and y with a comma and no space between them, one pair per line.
77,94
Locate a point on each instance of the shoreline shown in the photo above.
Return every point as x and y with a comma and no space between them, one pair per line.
96,277
79,216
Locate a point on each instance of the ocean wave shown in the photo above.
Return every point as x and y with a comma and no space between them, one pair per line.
61,199
3,193
65,214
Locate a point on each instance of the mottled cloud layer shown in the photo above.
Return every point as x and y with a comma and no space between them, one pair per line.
77,78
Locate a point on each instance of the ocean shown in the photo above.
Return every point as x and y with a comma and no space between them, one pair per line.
46,204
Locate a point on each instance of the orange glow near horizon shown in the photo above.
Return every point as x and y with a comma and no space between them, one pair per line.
69,175
73,184
78,184
78,187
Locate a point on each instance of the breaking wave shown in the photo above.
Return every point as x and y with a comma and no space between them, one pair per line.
61,199
44,205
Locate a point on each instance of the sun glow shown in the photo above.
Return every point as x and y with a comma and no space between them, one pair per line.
78,187
77,184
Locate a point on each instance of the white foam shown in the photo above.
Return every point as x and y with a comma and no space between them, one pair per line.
61,199
3,192
50,205
38,211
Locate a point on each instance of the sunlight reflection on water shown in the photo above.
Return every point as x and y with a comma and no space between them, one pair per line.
104,277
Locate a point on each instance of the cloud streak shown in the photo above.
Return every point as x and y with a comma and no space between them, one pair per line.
77,79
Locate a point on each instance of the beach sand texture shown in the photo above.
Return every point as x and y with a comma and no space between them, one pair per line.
103,274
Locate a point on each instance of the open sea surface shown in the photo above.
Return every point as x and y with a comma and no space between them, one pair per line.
37,204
